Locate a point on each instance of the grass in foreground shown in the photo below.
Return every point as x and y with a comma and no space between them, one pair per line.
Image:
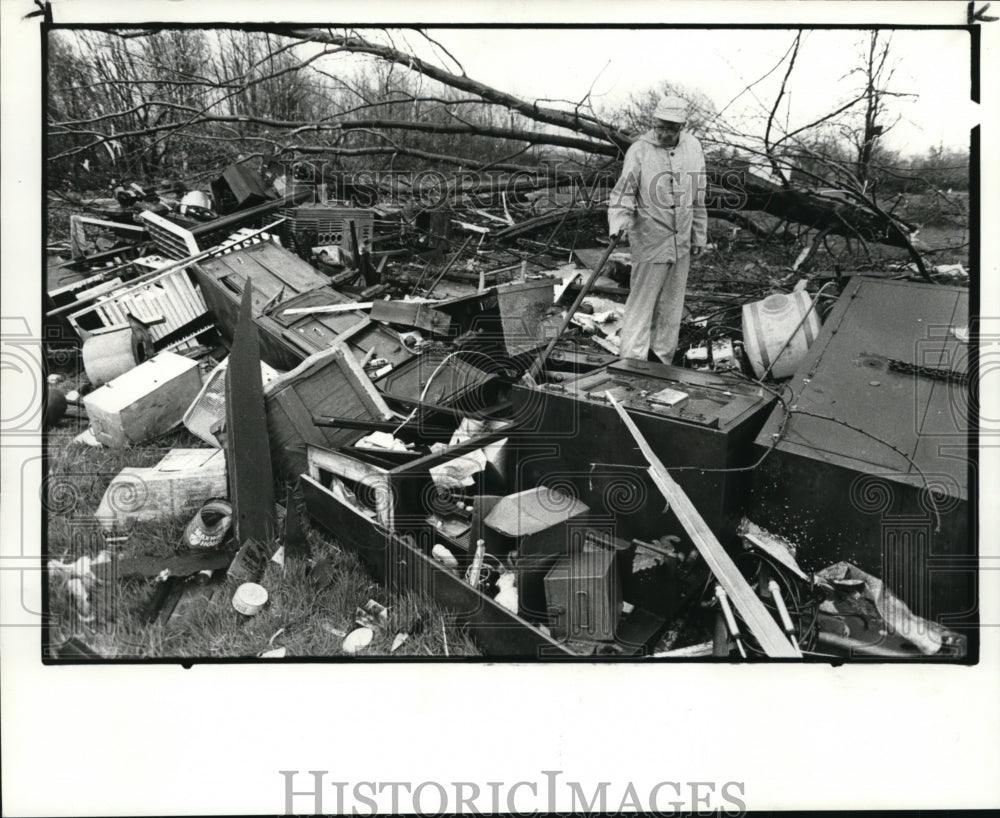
304,620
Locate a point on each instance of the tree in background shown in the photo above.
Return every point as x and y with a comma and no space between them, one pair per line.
151,103
636,115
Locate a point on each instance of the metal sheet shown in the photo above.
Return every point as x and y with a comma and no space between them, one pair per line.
845,379
853,482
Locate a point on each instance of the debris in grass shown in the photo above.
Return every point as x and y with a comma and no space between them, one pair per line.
178,565
181,483
210,526
249,562
507,596
249,598
377,610
294,315
445,557
88,438
358,640
415,628
321,573
294,543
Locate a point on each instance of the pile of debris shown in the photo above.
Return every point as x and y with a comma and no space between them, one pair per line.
443,387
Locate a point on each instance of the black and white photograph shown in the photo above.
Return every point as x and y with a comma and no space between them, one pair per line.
519,383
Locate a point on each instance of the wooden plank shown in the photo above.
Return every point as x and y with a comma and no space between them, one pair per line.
342,465
180,565
326,308
352,305
298,415
293,541
767,632
176,487
411,314
327,382
365,389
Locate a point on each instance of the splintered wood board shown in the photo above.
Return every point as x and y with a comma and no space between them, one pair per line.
771,638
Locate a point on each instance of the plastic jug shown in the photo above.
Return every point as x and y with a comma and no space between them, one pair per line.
767,326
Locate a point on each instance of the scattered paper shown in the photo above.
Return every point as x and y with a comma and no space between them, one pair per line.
460,472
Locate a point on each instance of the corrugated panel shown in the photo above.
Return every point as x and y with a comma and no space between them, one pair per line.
171,296
170,239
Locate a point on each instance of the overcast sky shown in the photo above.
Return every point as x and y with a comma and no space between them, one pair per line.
565,63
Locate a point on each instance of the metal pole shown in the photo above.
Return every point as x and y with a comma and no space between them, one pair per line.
537,366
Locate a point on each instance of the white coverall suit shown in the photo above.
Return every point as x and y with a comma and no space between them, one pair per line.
660,200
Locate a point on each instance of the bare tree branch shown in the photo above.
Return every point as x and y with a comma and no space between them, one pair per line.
777,101
489,94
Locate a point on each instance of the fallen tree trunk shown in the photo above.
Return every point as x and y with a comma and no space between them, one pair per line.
574,121
738,191
728,188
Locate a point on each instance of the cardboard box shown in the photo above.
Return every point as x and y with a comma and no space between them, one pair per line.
145,401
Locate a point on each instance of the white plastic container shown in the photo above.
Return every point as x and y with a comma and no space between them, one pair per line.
767,326
250,598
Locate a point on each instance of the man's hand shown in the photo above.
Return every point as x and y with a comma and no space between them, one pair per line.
620,234
697,251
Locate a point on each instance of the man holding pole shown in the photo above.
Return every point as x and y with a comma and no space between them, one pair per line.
659,202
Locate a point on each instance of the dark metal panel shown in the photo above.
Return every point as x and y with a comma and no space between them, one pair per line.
889,318
943,439
248,455
590,452
843,495
846,378
846,375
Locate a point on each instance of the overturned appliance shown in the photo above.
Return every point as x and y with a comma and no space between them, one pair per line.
296,310
701,424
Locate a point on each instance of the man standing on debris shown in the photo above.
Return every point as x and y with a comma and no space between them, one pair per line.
659,202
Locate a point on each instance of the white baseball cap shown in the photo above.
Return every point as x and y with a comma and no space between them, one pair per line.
672,109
